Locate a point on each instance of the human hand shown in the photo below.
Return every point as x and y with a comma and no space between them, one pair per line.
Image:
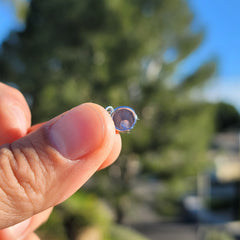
43,165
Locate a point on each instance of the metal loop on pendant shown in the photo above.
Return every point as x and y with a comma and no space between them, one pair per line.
110,109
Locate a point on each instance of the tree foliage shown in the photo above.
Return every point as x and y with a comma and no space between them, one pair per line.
227,117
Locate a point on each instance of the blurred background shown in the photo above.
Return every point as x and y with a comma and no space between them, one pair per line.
176,63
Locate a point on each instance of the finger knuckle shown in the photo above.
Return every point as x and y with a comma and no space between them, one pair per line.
23,177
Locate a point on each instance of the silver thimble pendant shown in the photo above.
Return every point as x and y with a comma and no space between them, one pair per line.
123,117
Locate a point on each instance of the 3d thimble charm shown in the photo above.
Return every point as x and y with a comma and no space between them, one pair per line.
123,117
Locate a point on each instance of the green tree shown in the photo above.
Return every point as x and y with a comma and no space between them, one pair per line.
118,52
227,117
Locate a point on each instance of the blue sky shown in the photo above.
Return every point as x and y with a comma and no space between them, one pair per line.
221,21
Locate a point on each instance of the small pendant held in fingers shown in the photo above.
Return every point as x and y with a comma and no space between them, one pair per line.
123,117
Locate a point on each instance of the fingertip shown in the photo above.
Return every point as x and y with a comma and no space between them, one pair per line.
15,116
112,157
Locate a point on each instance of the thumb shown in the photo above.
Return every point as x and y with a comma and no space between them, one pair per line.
45,167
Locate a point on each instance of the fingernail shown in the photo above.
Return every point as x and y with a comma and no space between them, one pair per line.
19,228
78,132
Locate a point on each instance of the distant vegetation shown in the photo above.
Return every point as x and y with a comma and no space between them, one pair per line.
227,117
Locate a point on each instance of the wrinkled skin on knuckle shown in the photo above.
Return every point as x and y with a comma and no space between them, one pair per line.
14,203
25,180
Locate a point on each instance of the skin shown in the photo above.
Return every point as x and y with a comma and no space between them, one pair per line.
39,171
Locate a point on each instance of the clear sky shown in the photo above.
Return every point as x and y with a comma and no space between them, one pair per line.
221,21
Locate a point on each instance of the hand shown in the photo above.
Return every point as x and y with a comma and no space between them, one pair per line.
43,165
